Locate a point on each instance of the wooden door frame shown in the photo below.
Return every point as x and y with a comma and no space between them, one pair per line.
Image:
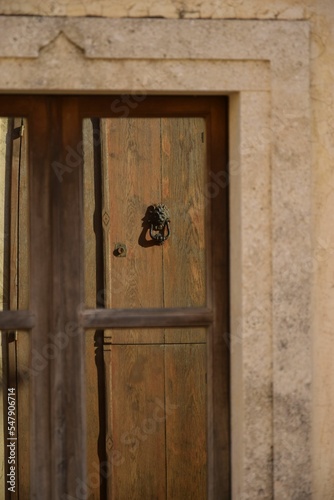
57,291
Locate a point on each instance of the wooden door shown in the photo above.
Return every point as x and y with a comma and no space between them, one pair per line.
155,378
157,359
161,416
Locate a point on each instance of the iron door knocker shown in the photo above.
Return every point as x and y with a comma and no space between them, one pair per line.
159,220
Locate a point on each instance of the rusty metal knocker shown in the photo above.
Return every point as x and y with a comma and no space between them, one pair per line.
159,220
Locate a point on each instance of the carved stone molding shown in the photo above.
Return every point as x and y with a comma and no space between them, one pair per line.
26,37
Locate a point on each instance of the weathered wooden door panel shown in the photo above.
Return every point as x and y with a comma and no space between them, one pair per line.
135,436
186,457
132,180
183,176
157,402
162,411
148,161
156,421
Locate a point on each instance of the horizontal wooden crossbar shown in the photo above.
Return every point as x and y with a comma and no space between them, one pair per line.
119,318
16,320
146,318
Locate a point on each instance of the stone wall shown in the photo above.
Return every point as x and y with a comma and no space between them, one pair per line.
190,9
319,269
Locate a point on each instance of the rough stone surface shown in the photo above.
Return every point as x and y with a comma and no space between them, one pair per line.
155,39
279,9
251,282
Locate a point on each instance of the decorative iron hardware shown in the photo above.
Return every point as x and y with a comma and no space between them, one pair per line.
159,220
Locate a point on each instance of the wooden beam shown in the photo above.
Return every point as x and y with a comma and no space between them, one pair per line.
17,320
40,294
58,451
68,409
218,344
146,318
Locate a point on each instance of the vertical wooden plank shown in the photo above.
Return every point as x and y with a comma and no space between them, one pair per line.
19,345
136,422
96,421
131,162
217,347
91,221
69,425
58,404
11,256
183,178
40,160
95,389
4,122
23,338
17,265
14,213
23,222
15,259
183,165
186,421
184,268
89,209
23,413
14,150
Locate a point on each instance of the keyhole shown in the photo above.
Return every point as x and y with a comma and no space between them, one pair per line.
120,250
